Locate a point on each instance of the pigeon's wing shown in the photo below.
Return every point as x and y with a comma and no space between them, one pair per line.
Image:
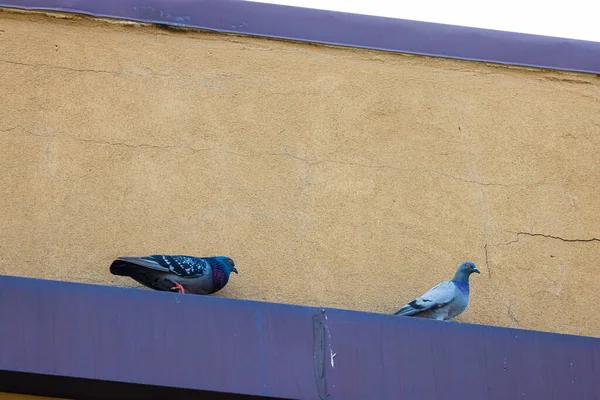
148,262
438,296
184,266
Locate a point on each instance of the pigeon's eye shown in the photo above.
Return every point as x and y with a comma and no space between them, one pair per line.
230,262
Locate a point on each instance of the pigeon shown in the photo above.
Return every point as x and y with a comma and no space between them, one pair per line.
444,301
184,274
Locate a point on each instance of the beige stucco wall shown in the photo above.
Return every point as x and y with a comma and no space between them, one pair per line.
334,177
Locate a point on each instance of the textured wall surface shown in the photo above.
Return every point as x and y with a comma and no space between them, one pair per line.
335,177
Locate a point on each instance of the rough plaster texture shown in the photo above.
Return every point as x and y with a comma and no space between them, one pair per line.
334,177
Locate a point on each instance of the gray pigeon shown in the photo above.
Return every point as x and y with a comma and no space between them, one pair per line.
196,275
444,301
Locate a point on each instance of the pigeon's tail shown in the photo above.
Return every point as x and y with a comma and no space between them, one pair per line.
407,310
151,278
122,268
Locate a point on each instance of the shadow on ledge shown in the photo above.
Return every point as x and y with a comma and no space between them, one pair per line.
88,389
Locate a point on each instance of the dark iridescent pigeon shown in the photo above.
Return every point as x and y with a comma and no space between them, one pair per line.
194,275
444,301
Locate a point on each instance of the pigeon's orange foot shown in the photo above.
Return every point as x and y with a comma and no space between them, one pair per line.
178,287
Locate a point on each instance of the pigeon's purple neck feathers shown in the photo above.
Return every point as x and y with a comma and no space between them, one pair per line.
461,280
463,286
220,277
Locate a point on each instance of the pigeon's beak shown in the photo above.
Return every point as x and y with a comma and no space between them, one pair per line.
476,270
234,270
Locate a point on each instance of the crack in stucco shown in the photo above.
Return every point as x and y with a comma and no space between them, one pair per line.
309,163
487,263
512,241
490,183
390,167
304,160
551,237
575,137
511,315
107,143
118,73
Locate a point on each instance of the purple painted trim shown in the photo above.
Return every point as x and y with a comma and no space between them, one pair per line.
344,29
265,349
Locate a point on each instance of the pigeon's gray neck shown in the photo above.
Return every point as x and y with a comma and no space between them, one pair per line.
461,276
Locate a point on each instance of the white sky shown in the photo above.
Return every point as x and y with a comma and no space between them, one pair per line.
574,19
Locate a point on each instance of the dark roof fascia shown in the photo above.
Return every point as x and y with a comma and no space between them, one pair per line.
65,387
345,29
221,345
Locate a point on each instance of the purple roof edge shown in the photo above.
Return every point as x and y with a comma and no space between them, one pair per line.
345,29
222,345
